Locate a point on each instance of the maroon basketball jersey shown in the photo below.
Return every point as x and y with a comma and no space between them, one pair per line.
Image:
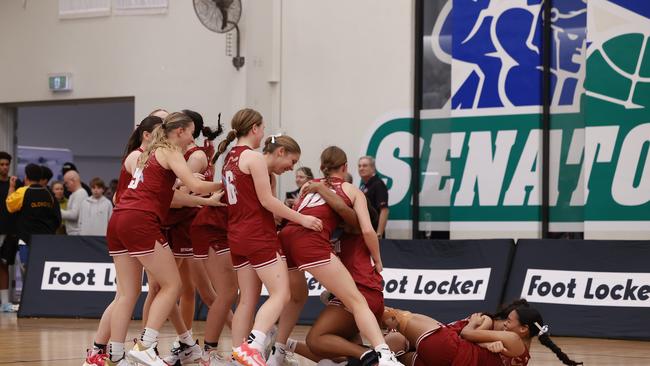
355,256
178,215
313,204
150,189
248,220
124,180
521,360
212,216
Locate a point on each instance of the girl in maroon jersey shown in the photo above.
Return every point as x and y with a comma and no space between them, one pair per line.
331,336
253,241
209,238
312,251
138,141
477,344
135,239
193,275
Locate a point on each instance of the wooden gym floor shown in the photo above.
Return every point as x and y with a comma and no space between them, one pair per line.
59,342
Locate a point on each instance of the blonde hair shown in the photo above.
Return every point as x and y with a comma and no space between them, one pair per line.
153,113
274,142
159,136
242,122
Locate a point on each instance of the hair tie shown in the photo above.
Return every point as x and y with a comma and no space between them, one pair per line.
542,329
234,130
274,136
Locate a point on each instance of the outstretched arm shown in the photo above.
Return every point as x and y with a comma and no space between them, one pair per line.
334,201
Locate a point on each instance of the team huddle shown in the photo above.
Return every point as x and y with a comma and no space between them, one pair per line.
226,239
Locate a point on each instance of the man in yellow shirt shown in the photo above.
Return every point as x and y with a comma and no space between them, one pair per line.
37,210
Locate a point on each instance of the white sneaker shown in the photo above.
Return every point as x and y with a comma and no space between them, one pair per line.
387,358
270,340
8,307
276,357
214,358
184,353
290,360
144,356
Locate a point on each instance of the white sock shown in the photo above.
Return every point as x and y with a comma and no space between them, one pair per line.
149,337
4,296
116,351
186,338
256,340
291,345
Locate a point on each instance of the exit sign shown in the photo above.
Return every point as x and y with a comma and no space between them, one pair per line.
60,82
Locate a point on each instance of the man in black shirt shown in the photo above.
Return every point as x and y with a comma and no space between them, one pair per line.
375,190
8,238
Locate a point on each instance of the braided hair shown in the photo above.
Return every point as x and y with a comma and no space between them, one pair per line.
531,318
242,122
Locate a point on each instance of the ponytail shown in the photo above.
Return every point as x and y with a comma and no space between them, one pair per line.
223,145
546,341
159,138
211,135
135,140
242,122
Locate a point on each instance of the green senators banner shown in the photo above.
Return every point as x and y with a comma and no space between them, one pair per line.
481,132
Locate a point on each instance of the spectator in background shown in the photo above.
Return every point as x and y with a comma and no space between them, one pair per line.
8,238
375,190
72,182
57,190
68,166
95,210
303,175
110,191
46,176
37,209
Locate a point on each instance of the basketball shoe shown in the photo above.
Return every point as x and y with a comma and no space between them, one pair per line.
246,355
145,356
95,357
184,353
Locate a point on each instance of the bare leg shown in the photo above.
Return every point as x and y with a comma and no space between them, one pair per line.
291,312
161,264
151,294
336,278
276,280
201,281
250,289
412,326
129,272
329,335
103,334
187,301
303,350
224,280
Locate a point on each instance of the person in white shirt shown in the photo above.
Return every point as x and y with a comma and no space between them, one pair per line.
95,210
72,182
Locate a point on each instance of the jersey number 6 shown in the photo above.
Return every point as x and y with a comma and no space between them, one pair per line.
230,188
